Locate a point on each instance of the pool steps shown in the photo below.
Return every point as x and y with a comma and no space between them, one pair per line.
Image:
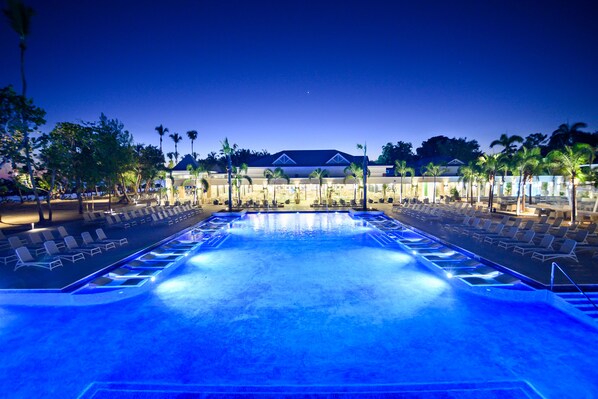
471,271
577,300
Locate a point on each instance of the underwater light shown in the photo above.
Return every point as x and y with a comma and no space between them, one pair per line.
152,278
449,275
414,252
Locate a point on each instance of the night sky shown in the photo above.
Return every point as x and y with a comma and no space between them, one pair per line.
312,75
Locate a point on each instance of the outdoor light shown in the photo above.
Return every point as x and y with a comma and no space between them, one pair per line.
32,226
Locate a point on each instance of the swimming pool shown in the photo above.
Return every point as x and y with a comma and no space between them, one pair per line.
298,302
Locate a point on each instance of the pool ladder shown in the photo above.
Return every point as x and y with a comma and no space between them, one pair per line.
573,298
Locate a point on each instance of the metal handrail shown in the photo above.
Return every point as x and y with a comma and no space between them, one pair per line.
554,264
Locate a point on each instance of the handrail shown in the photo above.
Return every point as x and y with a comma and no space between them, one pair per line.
572,282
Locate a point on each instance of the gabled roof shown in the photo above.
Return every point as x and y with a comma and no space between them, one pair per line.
289,158
187,160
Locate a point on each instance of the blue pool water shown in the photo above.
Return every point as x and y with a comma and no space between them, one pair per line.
291,301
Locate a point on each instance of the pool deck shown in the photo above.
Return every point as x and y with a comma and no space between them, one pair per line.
144,236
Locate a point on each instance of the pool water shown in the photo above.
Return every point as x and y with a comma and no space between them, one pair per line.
294,300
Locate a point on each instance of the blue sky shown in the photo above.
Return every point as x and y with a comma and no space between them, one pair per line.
312,75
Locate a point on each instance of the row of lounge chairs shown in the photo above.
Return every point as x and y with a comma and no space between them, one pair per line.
55,251
156,215
542,239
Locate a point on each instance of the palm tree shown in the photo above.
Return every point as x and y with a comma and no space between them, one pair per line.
467,174
177,139
195,174
192,134
364,147
489,165
319,174
19,16
354,172
565,134
240,174
434,171
523,160
227,151
401,169
508,142
569,161
274,175
170,156
161,132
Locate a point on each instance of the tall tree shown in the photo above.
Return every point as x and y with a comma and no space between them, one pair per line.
161,132
19,16
319,174
489,164
392,152
196,174
176,138
570,161
566,134
401,169
354,172
274,176
508,142
240,174
114,154
192,134
524,160
535,140
467,174
227,151
69,150
434,171
442,146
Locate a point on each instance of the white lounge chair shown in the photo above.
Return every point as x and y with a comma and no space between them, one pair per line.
26,259
49,236
546,243
72,245
567,250
102,237
71,256
90,242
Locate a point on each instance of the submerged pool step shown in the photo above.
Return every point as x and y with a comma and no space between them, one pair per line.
383,239
581,303
215,241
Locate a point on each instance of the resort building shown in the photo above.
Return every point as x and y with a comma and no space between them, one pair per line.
339,187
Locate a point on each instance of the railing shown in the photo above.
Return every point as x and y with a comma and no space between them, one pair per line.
554,264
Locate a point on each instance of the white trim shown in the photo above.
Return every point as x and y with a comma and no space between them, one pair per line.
337,159
284,159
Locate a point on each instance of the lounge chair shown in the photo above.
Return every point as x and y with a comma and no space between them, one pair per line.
115,222
90,242
502,236
546,243
492,230
108,282
123,272
71,256
16,242
26,259
72,245
567,250
49,236
103,238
